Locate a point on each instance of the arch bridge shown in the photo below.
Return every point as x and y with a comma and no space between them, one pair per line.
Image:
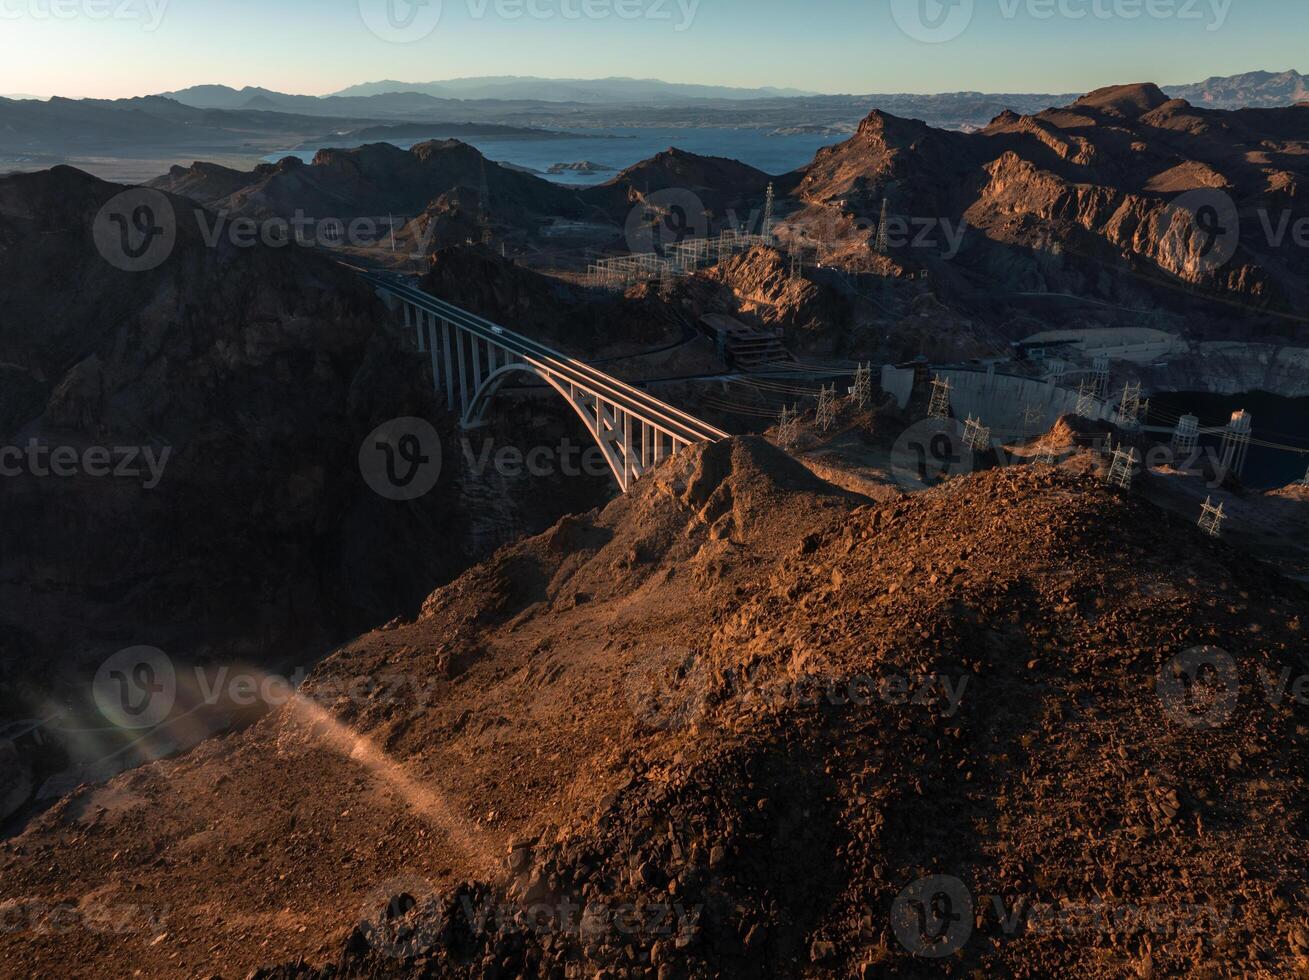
472,357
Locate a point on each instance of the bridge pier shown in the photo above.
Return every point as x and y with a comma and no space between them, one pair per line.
463,390
449,367
433,348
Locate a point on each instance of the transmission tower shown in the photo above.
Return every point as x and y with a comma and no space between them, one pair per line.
1122,468
1033,418
826,408
883,245
1100,373
786,427
767,230
862,392
1211,518
977,437
939,407
1305,481
1087,398
1129,410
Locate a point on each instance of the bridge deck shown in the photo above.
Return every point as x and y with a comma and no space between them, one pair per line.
674,421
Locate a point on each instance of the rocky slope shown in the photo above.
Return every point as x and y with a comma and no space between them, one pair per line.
757,287
1124,195
674,176
738,723
228,391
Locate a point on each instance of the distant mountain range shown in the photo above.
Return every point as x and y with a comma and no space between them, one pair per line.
597,91
1255,89
602,90
251,122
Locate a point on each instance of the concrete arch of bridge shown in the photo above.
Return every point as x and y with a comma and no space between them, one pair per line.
475,415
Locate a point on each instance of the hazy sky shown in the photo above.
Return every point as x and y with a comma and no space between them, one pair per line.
112,48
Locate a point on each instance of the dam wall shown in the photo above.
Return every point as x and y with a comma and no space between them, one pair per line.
999,401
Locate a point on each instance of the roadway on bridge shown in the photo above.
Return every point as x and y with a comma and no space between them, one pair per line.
641,404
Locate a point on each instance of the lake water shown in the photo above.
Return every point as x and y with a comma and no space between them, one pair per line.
619,148
1284,421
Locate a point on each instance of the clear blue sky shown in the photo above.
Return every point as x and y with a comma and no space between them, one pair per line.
319,46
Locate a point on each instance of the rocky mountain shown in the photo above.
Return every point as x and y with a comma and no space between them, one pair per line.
1251,90
434,191
678,178
209,413
740,722
374,180
1121,193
